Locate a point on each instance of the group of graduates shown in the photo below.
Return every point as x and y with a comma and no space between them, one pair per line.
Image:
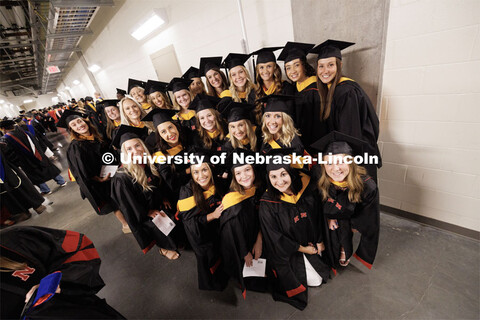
300,217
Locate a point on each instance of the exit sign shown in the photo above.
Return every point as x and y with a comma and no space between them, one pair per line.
53,69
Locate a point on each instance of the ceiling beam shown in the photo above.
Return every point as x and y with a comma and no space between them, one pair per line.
18,45
81,3
68,34
57,62
17,59
63,50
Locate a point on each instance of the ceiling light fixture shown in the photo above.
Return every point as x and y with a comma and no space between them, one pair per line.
156,20
94,68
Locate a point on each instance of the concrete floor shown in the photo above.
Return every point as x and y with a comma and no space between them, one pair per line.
419,273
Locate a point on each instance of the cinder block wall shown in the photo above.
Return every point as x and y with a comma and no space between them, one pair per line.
430,112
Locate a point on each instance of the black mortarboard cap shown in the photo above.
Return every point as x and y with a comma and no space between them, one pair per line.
67,116
276,103
235,111
7,123
159,116
336,143
178,84
241,154
121,91
235,59
87,98
132,83
192,72
21,111
331,48
295,50
110,103
209,63
203,101
199,151
265,55
273,165
125,133
154,86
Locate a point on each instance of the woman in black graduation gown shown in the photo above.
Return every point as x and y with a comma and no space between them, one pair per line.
343,103
112,116
156,92
84,156
240,236
199,208
30,253
197,86
210,133
216,79
269,80
242,88
350,201
182,99
292,227
307,102
136,88
140,194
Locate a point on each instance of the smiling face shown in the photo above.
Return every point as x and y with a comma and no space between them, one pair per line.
138,94
336,170
266,70
183,98
112,113
79,126
202,175
207,119
168,132
244,175
327,69
238,129
273,122
239,77
196,86
131,109
214,78
157,99
280,180
295,70
134,147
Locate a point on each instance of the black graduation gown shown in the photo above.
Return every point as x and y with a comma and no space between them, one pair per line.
307,115
188,121
17,192
217,143
286,224
45,251
85,161
94,115
364,217
352,113
239,227
135,205
37,166
203,237
40,133
296,144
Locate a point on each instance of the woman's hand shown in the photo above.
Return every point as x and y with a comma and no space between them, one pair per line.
257,247
98,179
215,214
153,213
187,171
32,290
320,247
248,259
167,204
332,224
310,249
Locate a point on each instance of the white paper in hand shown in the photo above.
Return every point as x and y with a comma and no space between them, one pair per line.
257,270
108,169
165,224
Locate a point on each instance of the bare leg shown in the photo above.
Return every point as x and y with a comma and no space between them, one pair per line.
121,218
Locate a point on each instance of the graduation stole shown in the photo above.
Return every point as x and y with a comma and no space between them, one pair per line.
90,137
146,106
31,129
341,80
225,93
233,198
116,124
189,203
23,147
213,134
294,198
343,184
171,152
275,145
184,116
242,95
2,169
91,105
270,90
306,83
141,125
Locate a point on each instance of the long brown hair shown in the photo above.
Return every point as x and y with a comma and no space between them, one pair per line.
93,131
211,90
198,196
354,180
259,93
206,140
326,94
236,187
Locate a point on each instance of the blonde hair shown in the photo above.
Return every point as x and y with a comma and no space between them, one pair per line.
168,105
176,106
249,86
259,93
287,131
354,180
251,136
9,265
137,172
126,121
207,141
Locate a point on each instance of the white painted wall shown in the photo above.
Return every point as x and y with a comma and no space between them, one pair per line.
12,105
196,28
430,115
